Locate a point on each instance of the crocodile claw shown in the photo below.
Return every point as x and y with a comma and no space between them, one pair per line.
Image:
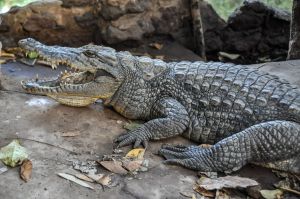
181,155
136,137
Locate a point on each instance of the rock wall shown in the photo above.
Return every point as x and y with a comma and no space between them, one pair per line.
294,45
255,32
78,22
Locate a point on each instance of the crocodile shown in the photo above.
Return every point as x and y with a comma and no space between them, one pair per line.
246,115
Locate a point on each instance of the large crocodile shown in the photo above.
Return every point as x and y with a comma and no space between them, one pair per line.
248,116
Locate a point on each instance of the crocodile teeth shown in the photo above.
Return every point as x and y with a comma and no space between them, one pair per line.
53,65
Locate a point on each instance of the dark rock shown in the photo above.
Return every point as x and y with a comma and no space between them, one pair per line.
78,3
256,30
4,28
38,22
294,48
116,8
254,192
86,20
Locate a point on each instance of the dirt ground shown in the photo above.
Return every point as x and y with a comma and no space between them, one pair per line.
38,120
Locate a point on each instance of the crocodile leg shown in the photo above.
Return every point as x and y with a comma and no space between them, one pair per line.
171,119
266,142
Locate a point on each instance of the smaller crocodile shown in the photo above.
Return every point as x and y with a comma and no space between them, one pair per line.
248,116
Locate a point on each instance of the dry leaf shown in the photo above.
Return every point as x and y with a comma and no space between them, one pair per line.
137,154
162,57
271,194
26,170
5,54
83,177
76,180
95,177
229,55
203,191
226,182
70,133
206,146
3,61
105,180
156,45
221,195
186,194
114,166
132,165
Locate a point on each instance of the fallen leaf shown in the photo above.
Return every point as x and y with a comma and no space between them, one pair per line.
290,190
206,146
26,170
3,61
13,154
137,154
186,194
70,133
132,165
220,194
95,177
229,55
226,182
203,191
76,180
113,166
162,57
131,126
83,177
158,46
271,194
105,180
5,54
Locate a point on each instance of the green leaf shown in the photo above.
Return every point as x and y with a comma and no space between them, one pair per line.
13,154
32,55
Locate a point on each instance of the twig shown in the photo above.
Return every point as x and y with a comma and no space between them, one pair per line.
28,139
290,190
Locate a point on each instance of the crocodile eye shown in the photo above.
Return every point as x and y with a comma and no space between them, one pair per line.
89,53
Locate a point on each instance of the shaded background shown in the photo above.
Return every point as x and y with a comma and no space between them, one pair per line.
223,7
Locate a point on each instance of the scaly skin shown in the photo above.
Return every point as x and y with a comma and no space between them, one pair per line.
247,115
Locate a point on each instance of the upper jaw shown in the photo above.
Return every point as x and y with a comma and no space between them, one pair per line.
56,55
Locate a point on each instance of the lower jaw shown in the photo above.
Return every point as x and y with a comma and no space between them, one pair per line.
73,100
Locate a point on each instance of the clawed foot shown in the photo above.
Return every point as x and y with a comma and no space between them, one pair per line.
136,137
182,155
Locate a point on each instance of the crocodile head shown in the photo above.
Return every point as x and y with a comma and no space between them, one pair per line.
97,75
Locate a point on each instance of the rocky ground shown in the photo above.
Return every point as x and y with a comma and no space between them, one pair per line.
39,121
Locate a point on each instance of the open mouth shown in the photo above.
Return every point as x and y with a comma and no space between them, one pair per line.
69,88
